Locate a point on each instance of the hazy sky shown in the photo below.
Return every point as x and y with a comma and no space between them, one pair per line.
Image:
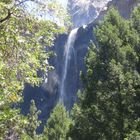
63,2
31,7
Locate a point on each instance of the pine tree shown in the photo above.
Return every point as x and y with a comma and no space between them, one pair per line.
135,23
33,122
107,108
58,124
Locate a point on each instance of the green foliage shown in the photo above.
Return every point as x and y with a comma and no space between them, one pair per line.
136,18
33,121
11,123
52,10
56,10
133,136
135,21
108,108
23,41
58,124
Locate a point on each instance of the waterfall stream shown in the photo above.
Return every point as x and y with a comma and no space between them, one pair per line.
67,56
84,8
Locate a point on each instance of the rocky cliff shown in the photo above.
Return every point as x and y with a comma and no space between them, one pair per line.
97,8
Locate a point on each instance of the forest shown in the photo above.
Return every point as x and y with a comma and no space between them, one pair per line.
108,104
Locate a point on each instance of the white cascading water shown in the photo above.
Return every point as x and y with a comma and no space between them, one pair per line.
67,56
84,7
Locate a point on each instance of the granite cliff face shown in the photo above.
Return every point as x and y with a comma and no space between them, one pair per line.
85,11
97,9
47,95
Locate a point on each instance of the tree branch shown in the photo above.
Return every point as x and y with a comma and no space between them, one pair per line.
7,17
23,1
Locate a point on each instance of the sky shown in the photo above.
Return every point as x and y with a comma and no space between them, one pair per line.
32,8
63,2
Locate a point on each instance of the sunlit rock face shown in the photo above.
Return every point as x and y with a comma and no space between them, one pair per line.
85,11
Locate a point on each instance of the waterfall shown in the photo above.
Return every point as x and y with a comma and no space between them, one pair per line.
67,56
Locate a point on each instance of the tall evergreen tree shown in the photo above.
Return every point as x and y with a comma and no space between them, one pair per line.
135,23
106,110
33,122
58,124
